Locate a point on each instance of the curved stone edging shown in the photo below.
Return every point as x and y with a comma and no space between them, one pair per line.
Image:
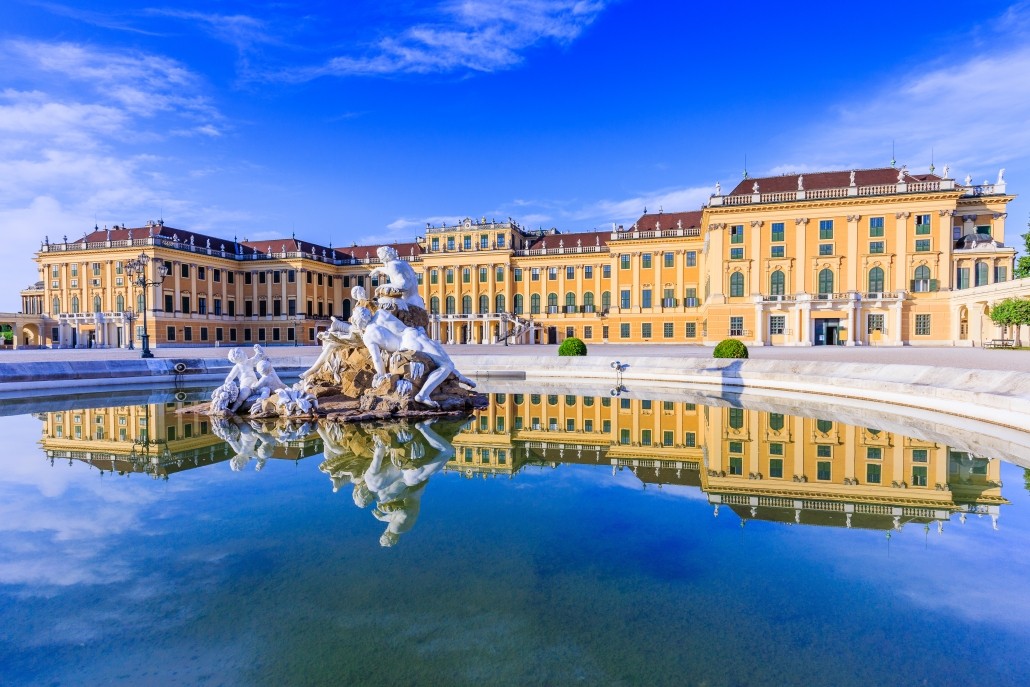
989,395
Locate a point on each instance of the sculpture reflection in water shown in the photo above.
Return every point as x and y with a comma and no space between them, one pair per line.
256,440
388,464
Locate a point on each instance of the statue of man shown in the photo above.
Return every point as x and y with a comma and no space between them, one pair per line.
384,332
401,288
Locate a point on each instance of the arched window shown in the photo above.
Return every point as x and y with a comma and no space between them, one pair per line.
347,308
534,304
570,299
119,303
777,283
737,284
450,305
57,306
519,304
588,301
434,305
921,279
776,421
876,280
484,304
981,273
823,426
606,300
499,303
552,300
97,304
466,305
75,304
736,418
826,281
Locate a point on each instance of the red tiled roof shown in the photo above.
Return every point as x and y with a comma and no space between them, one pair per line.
122,234
820,180
585,238
669,220
407,248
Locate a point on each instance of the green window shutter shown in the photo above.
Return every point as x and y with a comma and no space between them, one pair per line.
935,285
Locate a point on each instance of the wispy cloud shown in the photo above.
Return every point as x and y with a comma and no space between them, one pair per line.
470,35
86,138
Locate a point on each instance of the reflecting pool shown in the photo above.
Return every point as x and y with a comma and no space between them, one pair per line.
547,539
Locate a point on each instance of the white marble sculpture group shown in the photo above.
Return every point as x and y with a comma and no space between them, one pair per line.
382,326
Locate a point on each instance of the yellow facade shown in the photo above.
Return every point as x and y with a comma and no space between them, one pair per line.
918,260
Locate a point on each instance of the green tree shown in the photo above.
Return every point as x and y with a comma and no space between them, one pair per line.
1023,263
1012,312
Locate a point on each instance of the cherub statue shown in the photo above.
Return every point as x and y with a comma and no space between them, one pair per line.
236,388
401,289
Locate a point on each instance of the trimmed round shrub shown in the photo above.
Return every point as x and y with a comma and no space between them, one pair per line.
572,346
730,348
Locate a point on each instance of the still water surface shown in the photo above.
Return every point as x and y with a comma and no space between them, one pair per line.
548,539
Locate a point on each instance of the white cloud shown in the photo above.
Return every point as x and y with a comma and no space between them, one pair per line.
629,210
82,145
471,35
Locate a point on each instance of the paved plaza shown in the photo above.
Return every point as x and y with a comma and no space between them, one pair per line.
969,358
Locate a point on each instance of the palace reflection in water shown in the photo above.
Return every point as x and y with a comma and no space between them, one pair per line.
761,464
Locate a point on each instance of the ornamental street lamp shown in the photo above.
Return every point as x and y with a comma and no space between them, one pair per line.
130,317
137,270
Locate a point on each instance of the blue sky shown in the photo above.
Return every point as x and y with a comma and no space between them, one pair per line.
361,123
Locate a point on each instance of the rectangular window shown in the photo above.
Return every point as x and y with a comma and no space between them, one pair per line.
736,253
624,330
624,298
737,233
450,243
171,334
923,324
872,473
922,224
518,274
499,275
645,261
624,436
534,274
466,242
216,276
667,330
201,305
918,475
875,226
483,273
736,326
690,440
606,271
736,465
262,277
825,249
435,244
690,330
873,453
203,333
570,272
232,309
645,437
291,276
184,271
645,298
277,277
500,240
876,246
922,245
823,451
1001,274
645,330
776,449
588,271
169,302
776,468
670,259
691,258
920,455
230,277
822,470
624,261
777,251
777,323
185,304
201,274
983,229
825,229
449,276
466,275
962,278
588,332
777,232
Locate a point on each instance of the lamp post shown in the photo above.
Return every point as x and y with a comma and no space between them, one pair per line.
298,320
137,270
130,317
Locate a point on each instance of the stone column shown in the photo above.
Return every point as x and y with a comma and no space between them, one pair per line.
852,304
901,250
759,323
896,307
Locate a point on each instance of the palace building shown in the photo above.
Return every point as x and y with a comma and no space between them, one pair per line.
856,258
